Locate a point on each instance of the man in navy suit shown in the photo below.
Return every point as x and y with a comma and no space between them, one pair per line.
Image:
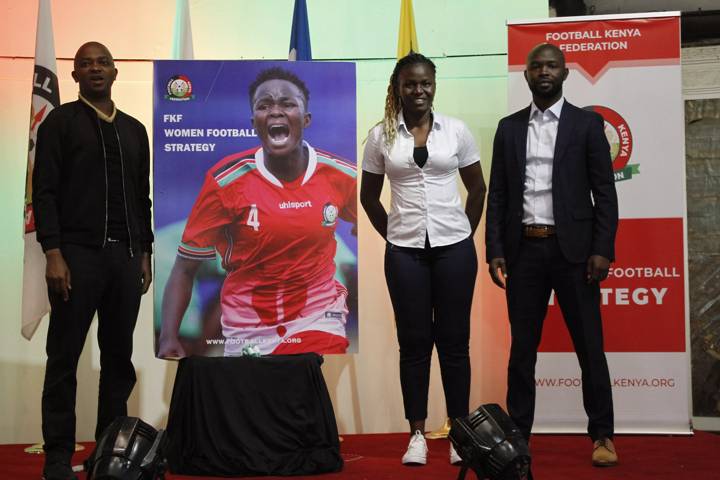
551,222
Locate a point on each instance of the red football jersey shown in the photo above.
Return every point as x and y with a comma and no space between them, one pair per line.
276,239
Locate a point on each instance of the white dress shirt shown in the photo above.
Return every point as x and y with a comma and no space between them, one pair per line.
540,150
424,199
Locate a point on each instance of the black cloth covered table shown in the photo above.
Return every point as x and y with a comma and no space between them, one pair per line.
248,416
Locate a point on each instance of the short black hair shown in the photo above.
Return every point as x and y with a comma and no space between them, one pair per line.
92,44
277,73
545,46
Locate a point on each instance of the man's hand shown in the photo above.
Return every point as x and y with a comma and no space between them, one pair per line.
597,268
498,278
57,274
169,347
146,269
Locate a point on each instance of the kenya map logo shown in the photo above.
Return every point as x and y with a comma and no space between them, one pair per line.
620,139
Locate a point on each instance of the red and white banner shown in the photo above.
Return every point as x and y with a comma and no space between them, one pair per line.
45,97
627,68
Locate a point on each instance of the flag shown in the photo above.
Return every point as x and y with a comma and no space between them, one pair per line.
182,48
45,97
300,35
407,38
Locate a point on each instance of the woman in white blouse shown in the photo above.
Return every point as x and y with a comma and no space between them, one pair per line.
430,259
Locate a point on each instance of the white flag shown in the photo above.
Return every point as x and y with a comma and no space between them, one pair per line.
182,48
45,97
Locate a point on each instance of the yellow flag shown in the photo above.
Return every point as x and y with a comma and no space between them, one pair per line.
407,38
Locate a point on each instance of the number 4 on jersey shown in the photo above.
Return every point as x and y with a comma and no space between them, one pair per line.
252,220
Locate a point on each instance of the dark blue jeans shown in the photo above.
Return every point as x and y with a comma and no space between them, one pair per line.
106,281
431,291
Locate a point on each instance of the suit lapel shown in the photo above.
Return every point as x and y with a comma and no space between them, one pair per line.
521,131
565,129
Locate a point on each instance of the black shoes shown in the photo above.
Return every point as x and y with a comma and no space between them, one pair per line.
58,470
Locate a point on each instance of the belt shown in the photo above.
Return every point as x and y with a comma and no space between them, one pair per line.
538,231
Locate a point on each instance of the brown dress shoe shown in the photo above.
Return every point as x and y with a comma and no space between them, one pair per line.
604,454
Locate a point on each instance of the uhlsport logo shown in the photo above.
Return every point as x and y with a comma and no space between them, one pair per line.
620,139
330,214
179,89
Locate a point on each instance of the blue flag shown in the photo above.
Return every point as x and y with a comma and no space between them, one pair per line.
300,36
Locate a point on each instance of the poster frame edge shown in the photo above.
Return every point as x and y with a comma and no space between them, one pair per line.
592,18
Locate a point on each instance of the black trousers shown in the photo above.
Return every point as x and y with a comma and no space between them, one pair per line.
540,268
107,281
431,291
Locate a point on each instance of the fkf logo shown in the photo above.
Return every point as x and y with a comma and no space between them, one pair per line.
179,88
329,214
45,85
45,97
620,139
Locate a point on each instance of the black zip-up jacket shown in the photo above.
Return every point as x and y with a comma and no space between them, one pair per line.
70,185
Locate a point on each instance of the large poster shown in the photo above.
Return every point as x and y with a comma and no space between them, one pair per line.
627,68
255,208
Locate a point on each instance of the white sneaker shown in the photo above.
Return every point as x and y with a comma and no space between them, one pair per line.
454,457
417,450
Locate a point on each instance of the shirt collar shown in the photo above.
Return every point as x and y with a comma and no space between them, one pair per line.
437,122
106,118
555,108
312,165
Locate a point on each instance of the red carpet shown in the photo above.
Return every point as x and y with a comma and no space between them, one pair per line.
556,457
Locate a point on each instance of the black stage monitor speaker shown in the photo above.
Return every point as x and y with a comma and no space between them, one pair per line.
491,445
128,449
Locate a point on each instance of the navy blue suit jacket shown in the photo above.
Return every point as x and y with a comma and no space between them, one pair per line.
585,207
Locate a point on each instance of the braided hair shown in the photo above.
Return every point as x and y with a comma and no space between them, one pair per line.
393,104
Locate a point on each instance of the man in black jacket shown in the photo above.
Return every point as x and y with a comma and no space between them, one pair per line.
92,210
551,223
